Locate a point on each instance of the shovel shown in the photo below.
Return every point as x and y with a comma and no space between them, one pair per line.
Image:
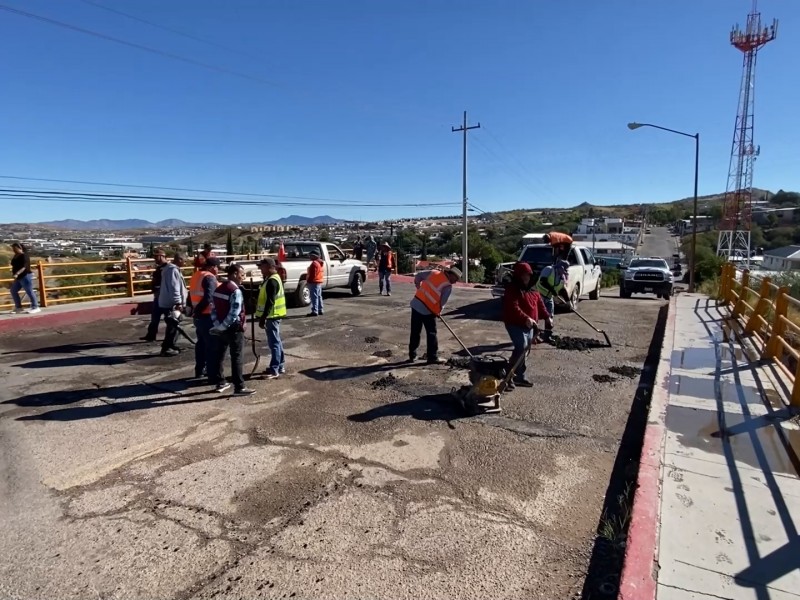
458,339
589,323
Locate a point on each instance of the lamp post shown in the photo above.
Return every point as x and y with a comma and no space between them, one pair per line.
696,137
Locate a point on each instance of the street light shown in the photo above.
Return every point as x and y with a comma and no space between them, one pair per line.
696,137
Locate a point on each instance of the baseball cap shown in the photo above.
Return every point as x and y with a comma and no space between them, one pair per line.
266,262
212,261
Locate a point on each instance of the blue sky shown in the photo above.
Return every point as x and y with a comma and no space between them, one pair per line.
355,100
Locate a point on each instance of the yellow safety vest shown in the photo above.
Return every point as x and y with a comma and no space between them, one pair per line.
551,279
278,310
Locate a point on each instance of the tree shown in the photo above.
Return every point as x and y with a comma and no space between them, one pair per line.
152,250
325,236
189,248
229,244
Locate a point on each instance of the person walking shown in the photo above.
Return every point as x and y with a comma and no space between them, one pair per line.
23,280
523,306
385,266
270,310
433,292
371,247
171,300
156,313
201,299
315,277
552,282
229,317
358,249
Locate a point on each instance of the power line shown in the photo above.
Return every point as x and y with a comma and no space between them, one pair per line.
138,46
171,30
507,167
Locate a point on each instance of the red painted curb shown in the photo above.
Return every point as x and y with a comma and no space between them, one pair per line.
639,579
410,279
81,314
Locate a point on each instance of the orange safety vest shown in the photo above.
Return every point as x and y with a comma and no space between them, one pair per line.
196,290
556,237
389,260
430,291
315,273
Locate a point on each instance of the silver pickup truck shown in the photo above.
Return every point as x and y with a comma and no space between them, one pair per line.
339,271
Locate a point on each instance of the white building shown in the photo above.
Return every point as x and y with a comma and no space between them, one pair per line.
782,259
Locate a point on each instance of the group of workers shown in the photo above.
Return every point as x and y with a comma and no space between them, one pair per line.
219,314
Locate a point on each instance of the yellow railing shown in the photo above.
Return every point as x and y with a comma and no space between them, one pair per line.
770,317
133,279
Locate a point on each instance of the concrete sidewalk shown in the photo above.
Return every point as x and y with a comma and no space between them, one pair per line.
726,521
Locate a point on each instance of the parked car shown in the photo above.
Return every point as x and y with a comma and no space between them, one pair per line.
646,276
585,273
340,271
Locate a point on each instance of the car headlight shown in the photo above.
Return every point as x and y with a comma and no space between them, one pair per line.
628,275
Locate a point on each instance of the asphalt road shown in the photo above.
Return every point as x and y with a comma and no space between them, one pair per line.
353,477
659,243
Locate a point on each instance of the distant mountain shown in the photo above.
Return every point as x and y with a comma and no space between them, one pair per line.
298,220
116,224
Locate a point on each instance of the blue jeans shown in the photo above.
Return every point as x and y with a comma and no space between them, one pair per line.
204,351
521,338
384,280
24,283
277,363
315,290
550,305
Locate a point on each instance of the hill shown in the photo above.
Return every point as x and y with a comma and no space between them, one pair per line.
116,224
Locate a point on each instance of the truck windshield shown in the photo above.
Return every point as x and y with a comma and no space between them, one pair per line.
537,255
653,264
300,250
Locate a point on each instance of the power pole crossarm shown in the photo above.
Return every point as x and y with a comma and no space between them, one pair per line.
465,233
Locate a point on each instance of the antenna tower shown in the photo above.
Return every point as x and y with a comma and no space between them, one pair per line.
734,234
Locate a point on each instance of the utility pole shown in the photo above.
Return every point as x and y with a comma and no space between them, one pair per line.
465,232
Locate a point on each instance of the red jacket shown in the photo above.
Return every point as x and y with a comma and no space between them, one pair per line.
315,272
520,304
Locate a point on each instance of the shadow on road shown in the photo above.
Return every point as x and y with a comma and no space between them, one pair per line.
83,361
336,372
434,407
69,348
486,310
137,396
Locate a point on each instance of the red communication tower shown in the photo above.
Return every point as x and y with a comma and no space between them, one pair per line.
734,234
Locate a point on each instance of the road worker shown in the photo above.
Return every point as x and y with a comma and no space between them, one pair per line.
371,247
270,310
433,292
522,308
160,258
229,317
202,285
315,278
171,299
552,282
385,267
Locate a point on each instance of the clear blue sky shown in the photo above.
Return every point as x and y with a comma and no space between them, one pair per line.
365,93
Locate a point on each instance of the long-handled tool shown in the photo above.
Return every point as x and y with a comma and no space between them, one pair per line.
458,339
589,323
253,335
512,371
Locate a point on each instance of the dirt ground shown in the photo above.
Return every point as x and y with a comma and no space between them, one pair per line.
355,476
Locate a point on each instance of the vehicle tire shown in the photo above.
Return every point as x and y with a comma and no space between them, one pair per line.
574,298
623,293
595,295
302,297
357,285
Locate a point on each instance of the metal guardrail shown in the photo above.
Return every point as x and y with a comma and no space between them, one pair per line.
771,316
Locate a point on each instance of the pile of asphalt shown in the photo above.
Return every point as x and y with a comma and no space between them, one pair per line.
384,382
371,339
383,354
575,343
603,378
459,362
626,371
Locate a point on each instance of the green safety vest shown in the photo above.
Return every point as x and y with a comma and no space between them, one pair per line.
278,310
551,279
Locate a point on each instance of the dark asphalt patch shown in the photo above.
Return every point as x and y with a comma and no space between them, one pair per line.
384,382
626,371
603,378
575,343
371,339
459,362
383,354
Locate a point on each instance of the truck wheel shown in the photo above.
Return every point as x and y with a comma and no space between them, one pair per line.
623,293
573,299
358,285
595,295
302,296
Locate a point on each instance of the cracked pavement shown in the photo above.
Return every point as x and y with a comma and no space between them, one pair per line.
121,479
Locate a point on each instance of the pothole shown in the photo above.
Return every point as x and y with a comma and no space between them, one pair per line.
383,354
575,343
603,378
384,382
371,339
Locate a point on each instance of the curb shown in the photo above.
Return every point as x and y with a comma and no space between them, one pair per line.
77,315
639,579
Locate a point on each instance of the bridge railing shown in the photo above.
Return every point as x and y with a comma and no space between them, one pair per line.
770,316
80,281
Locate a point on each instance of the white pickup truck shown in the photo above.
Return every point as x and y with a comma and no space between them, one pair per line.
339,271
585,274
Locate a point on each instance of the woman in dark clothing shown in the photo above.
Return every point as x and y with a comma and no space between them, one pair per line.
23,279
522,309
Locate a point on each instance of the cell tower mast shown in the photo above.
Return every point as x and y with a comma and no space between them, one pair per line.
734,234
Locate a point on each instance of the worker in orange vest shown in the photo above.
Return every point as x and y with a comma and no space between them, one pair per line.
315,278
433,292
201,298
385,266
